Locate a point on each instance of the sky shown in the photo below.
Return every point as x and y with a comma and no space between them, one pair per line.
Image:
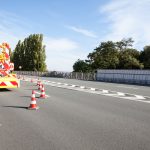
73,28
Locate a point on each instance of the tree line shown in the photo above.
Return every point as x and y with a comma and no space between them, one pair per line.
30,54
115,55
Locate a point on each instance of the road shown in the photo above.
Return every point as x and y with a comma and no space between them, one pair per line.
73,119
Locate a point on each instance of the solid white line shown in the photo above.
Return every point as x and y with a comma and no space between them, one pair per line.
128,87
139,96
115,95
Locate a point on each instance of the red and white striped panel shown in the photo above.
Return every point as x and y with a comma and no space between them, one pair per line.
4,73
1,65
11,66
6,65
12,75
7,50
9,84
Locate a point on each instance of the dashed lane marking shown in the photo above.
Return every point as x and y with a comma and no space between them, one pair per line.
92,90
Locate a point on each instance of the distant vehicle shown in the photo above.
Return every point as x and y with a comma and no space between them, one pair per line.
7,78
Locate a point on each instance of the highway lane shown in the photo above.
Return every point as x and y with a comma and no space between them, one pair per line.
72,120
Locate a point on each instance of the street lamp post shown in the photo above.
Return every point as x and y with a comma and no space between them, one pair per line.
20,67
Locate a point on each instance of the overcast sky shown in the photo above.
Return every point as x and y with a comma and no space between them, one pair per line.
73,28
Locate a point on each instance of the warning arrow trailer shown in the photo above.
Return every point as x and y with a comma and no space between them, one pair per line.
7,79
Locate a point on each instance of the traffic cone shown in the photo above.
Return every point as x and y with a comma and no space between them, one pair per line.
38,82
31,80
33,105
43,93
40,86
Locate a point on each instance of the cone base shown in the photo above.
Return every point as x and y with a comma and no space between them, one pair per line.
29,108
43,97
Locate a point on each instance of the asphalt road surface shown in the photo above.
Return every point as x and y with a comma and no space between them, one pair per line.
71,119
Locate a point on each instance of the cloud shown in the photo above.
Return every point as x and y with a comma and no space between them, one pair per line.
128,19
62,53
83,31
60,44
11,28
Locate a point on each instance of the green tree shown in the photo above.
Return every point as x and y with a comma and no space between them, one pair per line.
129,59
118,55
105,56
81,66
145,57
124,44
30,54
17,56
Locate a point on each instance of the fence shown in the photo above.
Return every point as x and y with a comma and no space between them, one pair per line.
141,77
82,76
57,74
69,75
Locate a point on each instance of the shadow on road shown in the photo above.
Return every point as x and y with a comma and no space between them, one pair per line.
25,96
31,89
5,90
16,107
30,96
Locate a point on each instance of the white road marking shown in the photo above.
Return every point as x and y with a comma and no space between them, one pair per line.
59,83
128,87
121,94
93,89
105,91
73,86
82,87
66,84
132,97
139,96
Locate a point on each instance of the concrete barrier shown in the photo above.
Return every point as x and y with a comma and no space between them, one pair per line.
141,77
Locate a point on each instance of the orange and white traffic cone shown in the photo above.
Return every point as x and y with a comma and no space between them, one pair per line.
40,86
43,93
33,105
38,82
